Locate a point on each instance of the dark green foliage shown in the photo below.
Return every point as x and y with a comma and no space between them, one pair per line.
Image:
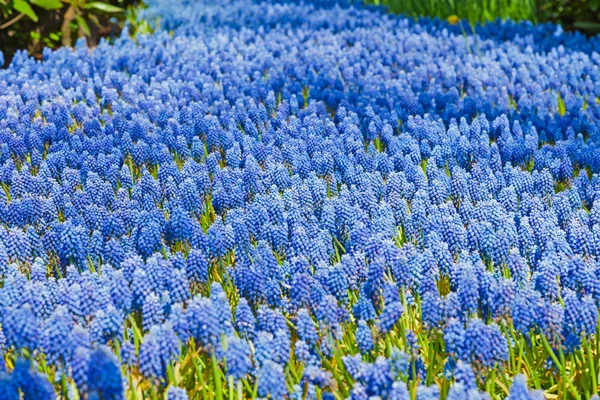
35,24
583,15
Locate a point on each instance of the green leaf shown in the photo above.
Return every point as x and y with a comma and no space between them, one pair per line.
23,7
588,26
83,25
48,4
562,110
98,5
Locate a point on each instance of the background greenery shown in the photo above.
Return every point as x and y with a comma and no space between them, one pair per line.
472,10
35,24
580,15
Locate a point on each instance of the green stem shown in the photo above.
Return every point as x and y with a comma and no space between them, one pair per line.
431,357
64,384
217,378
153,393
590,357
133,395
561,366
466,37
137,335
231,389
171,374
528,361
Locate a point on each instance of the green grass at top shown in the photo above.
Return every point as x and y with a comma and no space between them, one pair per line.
473,11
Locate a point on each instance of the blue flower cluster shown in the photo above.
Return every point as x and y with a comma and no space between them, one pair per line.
263,185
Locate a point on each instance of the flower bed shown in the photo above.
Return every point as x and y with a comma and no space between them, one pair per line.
302,200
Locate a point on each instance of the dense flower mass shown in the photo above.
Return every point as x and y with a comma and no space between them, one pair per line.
295,200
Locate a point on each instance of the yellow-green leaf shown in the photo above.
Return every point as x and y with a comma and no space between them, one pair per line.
562,110
23,7
48,4
98,5
83,25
